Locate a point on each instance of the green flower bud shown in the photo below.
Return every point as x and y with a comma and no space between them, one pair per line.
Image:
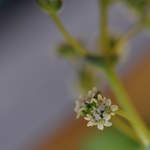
66,50
50,6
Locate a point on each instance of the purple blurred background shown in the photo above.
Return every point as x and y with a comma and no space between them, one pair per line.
36,87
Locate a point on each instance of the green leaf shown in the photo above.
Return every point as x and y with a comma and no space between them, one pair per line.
67,51
50,6
110,139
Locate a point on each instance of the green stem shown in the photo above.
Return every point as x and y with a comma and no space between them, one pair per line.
104,26
67,36
123,114
125,102
125,128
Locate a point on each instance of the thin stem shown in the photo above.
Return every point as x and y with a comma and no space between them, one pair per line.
127,36
104,26
123,114
125,102
125,128
67,36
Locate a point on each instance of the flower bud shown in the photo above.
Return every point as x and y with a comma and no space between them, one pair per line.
50,6
66,50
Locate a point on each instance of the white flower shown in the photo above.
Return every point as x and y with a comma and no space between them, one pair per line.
101,119
89,94
114,108
108,102
91,124
106,116
90,120
96,116
93,100
99,97
96,109
103,123
92,93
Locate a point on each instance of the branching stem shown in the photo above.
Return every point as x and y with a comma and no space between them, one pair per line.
125,128
125,102
133,31
103,44
121,95
67,36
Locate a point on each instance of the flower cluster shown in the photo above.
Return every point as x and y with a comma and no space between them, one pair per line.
96,109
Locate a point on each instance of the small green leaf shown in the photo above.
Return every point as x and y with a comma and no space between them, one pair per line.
50,6
67,51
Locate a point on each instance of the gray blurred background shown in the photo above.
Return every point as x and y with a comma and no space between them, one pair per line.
36,87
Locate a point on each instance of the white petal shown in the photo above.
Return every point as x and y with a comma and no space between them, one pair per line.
112,113
81,98
93,94
77,107
114,107
94,89
88,118
107,124
96,116
77,102
108,102
89,94
78,116
93,100
90,124
100,126
106,116
99,97
101,108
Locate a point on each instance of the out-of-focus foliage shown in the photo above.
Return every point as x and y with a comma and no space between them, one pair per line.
97,61
110,139
67,51
138,5
118,51
113,54
87,78
50,6
142,7
148,147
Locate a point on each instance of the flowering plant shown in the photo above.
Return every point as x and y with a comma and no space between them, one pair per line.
95,108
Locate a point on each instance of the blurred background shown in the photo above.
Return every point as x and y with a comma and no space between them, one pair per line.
37,88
